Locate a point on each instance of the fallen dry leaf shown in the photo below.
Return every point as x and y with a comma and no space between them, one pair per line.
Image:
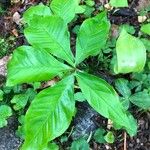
3,64
15,32
16,18
114,31
15,1
142,4
49,83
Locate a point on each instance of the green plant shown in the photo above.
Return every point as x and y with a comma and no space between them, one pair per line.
6,45
1,95
1,10
109,137
140,98
52,110
146,28
99,135
5,112
80,144
116,3
19,101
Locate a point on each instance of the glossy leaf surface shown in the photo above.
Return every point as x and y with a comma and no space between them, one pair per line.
92,37
39,10
49,115
66,9
131,54
50,33
31,65
103,98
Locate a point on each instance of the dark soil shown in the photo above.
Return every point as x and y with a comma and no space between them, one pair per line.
89,121
8,139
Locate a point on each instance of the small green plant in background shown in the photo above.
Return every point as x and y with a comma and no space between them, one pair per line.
50,55
6,46
1,95
5,112
117,3
1,9
139,98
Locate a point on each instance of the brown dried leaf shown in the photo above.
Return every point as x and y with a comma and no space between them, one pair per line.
3,63
15,32
16,18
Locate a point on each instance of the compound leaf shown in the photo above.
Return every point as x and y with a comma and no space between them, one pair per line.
92,37
103,98
31,65
50,33
131,54
49,115
39,10
119,3
66,9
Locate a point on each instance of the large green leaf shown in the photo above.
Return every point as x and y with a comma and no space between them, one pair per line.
141,99
119,3
66,9
92,37
39,10
49,115
146,28
50,33
31,65
131,54
103,98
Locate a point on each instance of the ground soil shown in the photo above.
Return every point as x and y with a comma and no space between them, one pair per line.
8,139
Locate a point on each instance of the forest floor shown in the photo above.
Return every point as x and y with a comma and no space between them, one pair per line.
11,36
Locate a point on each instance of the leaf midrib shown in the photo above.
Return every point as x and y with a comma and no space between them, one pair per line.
65,89
104,101
53,38
84,48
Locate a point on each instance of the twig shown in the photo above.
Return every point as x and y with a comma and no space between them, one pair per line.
89,138
125,141
71,131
